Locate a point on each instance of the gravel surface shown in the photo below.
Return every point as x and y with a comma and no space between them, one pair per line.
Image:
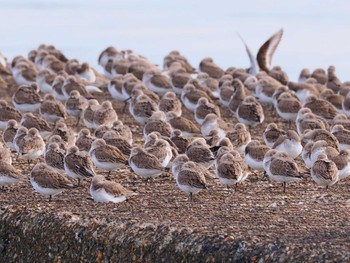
259,213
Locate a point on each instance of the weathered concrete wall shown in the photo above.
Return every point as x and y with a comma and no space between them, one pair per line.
42,237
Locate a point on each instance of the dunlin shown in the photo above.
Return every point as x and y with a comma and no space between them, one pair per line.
52,109
157,82
306,120
208,66
342,135
9,134
29,120
103,191
57,139
70,84
190,180
324,171
304,75
142,107
203,108
254,154
123,130
105,115
186,126
47,181
199,152
27,98
229,170
8,113
211,122
57,88
290,143
88,113
190,96
320,75
162,150
44,79
84,140
281,168
303,90
175,56
239,137
32,146
321,147
67,134
107,157
169,102
335,99
321,107
318,135
278,74
288,107
116,140
250,112
5,154
78,165
54,157
179,140
226,92
333,82
86,72
76,104
10,175
145,164
157,122
272,133
24,73
109,52
342,161
179,78
115,87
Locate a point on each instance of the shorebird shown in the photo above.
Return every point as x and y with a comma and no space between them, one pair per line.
67,134
336,99
9,133
5,154
186,126
324,171
162,150
264,57
290,143
84,140
333,82
342,135
272,133
230,171
179,140
320,75
318,135
190,180
32,146
306,120
88,113
71,83
24,73
169,102
113,138
287,107
254,154
142,107
57,139
226,92
179,78
103,191
203,108
44,79
239,137
156,81
18,139
303,90
78,165
157,122
57,88
321,107
76,104
304,75
8,113
115,87
237,97
27,98
190,96
106,157
109,52
54,157
10,175
281,168
52,109
199,152
47,181
210,85
175,57
208,66
86,72
250,112
342,161
321,147
211,122
29,120
145,164
105,115
123,130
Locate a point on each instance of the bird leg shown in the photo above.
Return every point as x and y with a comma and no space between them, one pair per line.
284,187
191,197
50,198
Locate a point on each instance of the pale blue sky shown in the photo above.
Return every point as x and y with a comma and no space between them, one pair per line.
316,33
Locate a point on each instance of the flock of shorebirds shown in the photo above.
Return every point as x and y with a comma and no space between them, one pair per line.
48,88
